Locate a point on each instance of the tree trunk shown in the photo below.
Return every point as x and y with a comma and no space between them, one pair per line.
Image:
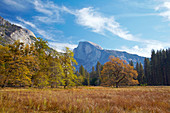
52,85
117,84
5,83
64,86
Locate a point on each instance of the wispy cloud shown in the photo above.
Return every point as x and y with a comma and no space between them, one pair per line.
50,11
144,49
136,15
16,23
55,45
60,46
26,22
14,3
164,9
98,23
39,31
89,18
18,5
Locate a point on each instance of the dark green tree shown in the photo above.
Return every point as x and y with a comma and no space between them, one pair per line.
131,63
147,71
98,73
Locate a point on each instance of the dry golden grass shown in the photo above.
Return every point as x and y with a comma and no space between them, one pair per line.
86,100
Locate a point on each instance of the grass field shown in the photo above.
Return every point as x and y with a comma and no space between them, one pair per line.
86,100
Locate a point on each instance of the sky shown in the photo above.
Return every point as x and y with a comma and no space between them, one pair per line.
134,26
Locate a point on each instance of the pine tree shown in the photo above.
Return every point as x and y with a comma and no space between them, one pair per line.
98,72
153,67
88,78
131,63
93,77
164,72
147,71
141,74
168,67
82,71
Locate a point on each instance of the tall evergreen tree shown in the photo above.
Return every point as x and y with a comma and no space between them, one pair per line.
153,67
137,68
168,67
93,77
131,63
141,74
82,71
98,72
147,71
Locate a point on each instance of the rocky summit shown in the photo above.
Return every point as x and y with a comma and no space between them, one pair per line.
10,32
88,53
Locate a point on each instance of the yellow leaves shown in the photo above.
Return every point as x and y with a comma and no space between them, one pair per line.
116,71
35,65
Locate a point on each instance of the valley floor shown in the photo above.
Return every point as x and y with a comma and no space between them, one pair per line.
147,99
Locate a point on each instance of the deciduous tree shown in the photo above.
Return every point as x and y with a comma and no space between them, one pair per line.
117,71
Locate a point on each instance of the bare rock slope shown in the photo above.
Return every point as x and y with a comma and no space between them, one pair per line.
88,53
10,32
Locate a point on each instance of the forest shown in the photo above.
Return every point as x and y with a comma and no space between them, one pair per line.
38,65
28,71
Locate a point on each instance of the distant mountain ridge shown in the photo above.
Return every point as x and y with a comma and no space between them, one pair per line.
88,53
10,32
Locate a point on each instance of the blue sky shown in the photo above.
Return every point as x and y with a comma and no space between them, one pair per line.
134,26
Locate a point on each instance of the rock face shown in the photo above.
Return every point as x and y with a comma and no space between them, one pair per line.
10,32
88,53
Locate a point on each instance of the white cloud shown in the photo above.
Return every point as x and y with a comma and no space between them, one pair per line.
14,3
95,21
50,11
60,46
15,23
145,48
98,23
42,8
164,10
39,31
26,22
91,19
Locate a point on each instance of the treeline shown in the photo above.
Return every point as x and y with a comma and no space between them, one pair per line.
94,77
36,65
156,71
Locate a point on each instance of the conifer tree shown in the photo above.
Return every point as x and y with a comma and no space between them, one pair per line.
141,74
98,72
153,67
93,77
147,71
131,63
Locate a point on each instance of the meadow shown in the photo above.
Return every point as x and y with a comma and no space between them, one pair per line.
137,99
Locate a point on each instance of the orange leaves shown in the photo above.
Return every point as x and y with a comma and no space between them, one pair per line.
117,71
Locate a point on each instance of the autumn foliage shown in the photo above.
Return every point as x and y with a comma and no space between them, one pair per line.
36,65
117,71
